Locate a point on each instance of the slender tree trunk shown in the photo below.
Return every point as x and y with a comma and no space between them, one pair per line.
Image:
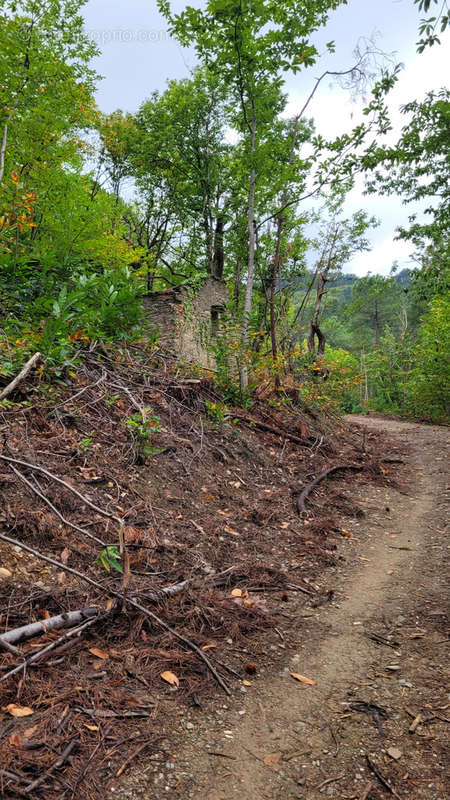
237,285
273,284
376,331
251,255
314,328
3,146
219,258
364,397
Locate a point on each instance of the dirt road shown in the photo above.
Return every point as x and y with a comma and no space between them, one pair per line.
279,738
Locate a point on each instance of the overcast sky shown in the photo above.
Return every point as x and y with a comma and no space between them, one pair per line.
137,57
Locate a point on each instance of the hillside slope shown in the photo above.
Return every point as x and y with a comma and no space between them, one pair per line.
204,500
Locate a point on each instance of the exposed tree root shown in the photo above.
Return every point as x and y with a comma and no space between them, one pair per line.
306,491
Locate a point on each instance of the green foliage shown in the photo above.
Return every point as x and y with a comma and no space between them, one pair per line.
217,412
418,168
76,253
141,427
88,307
109,558
84,445
429,380
431,26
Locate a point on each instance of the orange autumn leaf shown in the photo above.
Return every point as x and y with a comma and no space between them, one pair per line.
303,679
272,759
17,711
99,653
170,677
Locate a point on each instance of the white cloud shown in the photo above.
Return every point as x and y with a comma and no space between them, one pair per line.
381,258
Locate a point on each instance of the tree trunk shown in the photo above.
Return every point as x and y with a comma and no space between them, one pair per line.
3,148
219,258
376,330
251,255
273,284
314,328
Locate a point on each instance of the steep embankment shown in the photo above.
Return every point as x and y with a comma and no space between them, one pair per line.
204,498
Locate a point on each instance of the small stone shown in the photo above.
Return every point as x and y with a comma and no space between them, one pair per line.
394,753
190,726
5,573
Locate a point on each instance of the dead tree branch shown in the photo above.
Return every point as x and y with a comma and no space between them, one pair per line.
264,427
53,646
55,510
72,489
21,376
67,620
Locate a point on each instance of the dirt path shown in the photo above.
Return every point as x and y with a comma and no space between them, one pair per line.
318,737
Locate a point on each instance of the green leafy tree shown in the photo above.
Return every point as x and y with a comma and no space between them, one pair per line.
418,168
180,163
248,46
429,379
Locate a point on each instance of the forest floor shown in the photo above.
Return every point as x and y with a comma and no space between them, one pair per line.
375,724
268,596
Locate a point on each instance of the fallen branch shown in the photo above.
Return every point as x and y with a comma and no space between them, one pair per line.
63,483
78,394
384,781
381,640
54,509
54,645
131,758
59,763
9,648
177,588
21,376
83,772
68,620
415,723
326,782
306,491
191,645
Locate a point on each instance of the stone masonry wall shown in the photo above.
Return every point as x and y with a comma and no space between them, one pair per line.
185,321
